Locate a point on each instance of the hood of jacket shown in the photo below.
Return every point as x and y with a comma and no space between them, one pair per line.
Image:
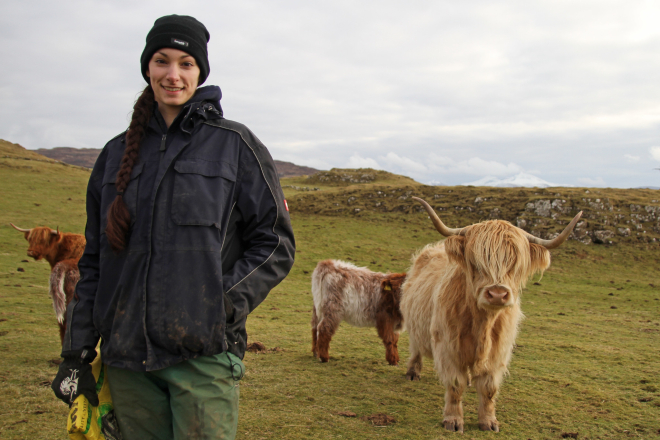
202,106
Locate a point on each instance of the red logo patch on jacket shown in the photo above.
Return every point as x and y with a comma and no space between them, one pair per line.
286,205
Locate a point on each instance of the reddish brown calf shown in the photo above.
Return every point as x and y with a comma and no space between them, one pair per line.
344,292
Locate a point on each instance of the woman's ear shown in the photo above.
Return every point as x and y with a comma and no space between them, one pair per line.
455,247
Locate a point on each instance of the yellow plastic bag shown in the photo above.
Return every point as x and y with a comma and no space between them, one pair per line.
85,421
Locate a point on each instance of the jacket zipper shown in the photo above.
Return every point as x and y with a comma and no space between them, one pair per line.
162,142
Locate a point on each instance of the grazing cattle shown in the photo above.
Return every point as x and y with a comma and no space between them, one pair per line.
461,306
345,292
62,250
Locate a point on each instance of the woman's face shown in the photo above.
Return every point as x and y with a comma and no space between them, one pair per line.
174,76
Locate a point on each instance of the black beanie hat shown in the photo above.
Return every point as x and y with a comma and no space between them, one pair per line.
178,32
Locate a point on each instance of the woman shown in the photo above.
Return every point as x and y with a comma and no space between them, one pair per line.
187,232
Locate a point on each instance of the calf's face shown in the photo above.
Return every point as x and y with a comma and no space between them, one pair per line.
498,259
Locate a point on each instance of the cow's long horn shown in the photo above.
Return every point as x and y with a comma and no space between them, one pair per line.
20,229
557,241
442,229
54,232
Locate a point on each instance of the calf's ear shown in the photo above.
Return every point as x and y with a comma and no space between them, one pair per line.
540,257
455,247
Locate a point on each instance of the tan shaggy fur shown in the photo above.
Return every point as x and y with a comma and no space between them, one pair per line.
358,296
450,319
62,250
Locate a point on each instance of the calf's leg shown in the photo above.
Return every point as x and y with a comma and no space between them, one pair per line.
315,323
326,329
487,386
389,338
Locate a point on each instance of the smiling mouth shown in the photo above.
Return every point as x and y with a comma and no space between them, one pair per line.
173,89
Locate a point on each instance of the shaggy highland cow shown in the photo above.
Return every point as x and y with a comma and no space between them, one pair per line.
62,250
461,306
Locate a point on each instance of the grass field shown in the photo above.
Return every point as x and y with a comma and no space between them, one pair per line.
587,359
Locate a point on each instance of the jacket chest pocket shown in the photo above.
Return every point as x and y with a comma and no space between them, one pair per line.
202,189
109,192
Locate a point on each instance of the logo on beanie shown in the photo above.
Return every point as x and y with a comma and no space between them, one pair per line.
180,42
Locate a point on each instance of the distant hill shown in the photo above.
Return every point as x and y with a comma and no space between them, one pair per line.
86,157
288,169
351,176
83,157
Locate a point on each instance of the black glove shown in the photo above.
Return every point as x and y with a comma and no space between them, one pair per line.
75,377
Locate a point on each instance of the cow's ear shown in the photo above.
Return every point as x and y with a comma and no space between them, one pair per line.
455,247
540,257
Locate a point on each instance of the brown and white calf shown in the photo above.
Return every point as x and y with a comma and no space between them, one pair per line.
62,250
461,306
358,296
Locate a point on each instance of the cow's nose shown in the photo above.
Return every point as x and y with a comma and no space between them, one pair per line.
497,296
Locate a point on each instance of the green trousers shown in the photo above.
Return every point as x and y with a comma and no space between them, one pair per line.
195,399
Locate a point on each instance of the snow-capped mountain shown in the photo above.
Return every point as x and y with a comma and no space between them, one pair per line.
520,179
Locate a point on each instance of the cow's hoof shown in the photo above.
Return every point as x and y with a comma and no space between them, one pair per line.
411,375
454,425
324,359
491,425
394,364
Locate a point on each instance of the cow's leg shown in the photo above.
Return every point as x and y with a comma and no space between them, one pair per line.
326,329
453,413
455,380
62,332
389,338
487,386
415,361
315,323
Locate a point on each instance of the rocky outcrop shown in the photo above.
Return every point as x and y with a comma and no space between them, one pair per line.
608,217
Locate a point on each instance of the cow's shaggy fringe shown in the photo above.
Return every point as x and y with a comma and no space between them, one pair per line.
345,292
119,219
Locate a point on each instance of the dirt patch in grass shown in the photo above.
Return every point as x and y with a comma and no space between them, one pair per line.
259,348
379,419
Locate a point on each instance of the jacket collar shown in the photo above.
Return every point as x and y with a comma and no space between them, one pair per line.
204,105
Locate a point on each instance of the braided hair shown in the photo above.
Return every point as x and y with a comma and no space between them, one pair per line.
119,219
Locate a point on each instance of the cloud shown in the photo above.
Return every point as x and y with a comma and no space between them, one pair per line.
357,161
405,164
655,153
587,181
444,91
630,158
474,166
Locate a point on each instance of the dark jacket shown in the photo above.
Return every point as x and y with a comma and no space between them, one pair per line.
210,236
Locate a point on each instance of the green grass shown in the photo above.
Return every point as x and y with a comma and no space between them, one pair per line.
580,365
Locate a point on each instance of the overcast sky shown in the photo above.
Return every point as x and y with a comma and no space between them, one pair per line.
441,91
